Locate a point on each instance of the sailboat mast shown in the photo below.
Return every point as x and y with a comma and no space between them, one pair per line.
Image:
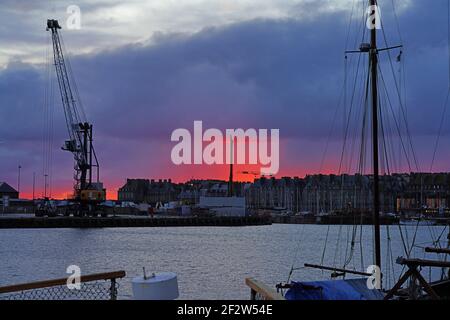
374,87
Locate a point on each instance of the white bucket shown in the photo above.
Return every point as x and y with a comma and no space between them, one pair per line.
160,286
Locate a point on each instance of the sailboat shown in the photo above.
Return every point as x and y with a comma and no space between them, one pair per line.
367,285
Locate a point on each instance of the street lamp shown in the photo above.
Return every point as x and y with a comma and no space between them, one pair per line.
34,182
18,181
45,185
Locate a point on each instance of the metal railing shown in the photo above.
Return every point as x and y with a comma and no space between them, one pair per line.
100,286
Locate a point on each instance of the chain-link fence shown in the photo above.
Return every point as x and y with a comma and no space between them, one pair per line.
92,287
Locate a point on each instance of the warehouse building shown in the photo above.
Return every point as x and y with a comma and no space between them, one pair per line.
7,191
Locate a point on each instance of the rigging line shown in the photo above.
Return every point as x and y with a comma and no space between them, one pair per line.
349,25
440,236
58,70
301,237
432,234
74,84
443,273
357,116
383,139
414,238
400,101
364,102
407,239
396,21
392,263
403,240
444,111
393,149
388,137
363,28
349,258
338,246
362,166
364,127
389,154
387,262
349,115
361,24
64,78
344,113
395,120
346,246
325,246
330,133
384,118
366,132
361,245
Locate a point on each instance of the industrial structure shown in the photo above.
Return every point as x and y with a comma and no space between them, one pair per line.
88,193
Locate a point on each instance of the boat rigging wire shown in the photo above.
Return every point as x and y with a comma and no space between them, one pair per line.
395,120
299,242
359,91
444,109
402,105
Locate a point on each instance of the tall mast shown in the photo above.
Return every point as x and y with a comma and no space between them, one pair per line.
374,85
230,179
372,49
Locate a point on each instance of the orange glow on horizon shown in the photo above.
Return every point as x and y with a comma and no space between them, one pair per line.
181,174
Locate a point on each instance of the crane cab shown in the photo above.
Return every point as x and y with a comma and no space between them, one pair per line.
94,193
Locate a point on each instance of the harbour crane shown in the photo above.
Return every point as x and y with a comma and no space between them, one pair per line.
88,194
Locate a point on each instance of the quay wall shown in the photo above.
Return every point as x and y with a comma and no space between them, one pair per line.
129,222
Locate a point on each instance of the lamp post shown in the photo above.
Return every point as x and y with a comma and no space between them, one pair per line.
34,183
18,181
45,185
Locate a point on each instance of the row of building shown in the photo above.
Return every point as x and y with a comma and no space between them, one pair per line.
314,193
419,192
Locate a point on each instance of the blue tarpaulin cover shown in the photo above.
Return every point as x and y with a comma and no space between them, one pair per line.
354,289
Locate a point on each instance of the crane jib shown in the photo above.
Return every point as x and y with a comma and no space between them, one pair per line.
79,130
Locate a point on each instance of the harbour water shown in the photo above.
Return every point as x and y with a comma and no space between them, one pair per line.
211,262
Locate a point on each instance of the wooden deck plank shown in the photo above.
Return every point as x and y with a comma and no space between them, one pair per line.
264,290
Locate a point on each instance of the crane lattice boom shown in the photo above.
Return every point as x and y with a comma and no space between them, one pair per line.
80,131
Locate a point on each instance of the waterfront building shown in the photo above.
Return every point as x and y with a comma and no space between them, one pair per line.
282,194
314,194
425,193
7,191
148,191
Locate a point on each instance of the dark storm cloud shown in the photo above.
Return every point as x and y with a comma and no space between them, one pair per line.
256,74
284,73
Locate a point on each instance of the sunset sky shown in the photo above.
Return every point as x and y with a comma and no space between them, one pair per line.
146,68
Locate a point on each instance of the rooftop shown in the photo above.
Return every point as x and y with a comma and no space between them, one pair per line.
6,188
